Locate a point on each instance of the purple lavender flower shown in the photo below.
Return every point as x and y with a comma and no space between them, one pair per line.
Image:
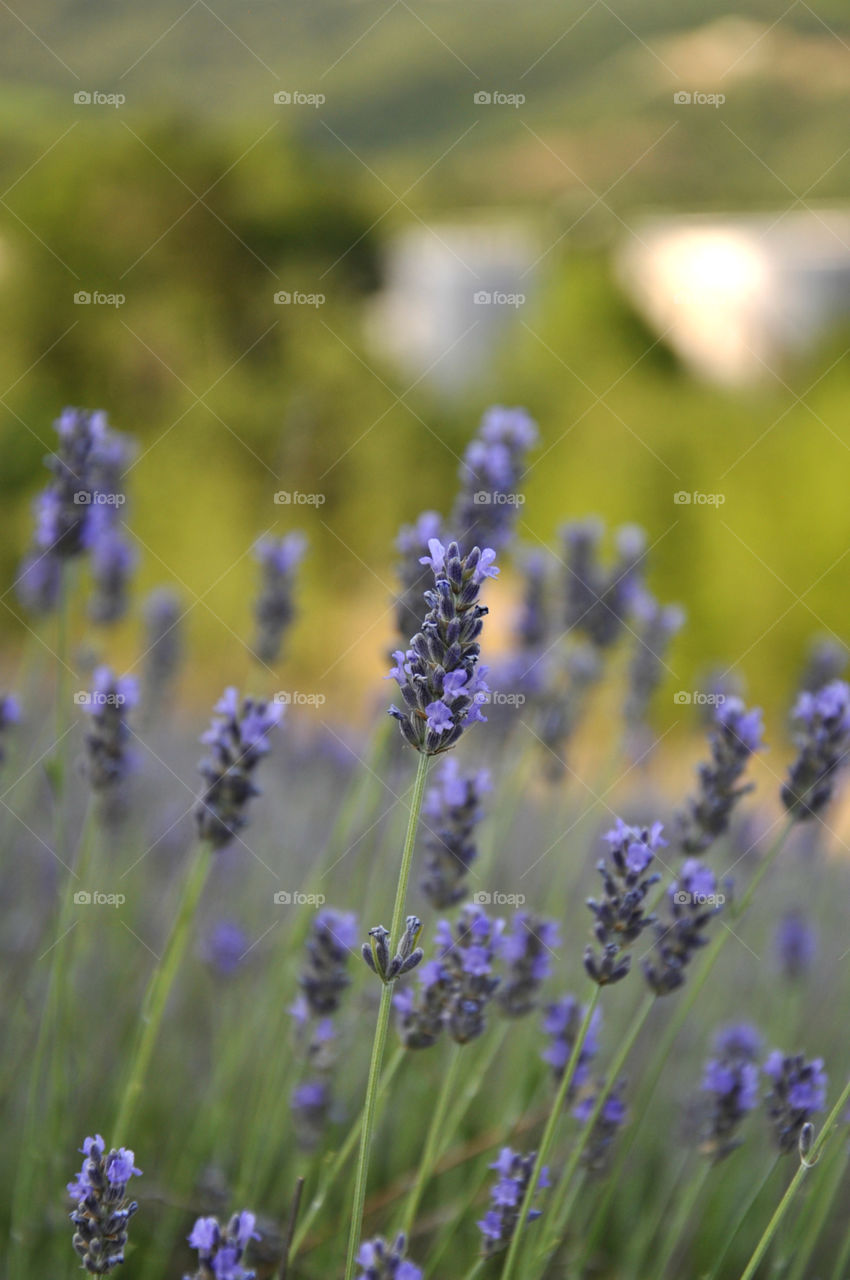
39,582
692,900
237,741
562,1022
453,991
533,624
378,956
162,613
566,687
108,758
382,1261
452,810
112,562
102,1213
485,512
506,1199
225,947
600,600
274,611
655,625
824,742
730,1085
797,1093
324,975
10,713
526,950
620,917
795,944
220,1252
440,678
612,1116
826,661
735,737
310,1104
412,544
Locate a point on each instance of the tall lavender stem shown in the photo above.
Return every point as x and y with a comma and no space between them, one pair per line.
379,1042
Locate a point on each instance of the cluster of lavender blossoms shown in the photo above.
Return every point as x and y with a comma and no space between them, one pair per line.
730,1085
451,811
274,610
600,600
655,625
612,1116
10,714
795,943
163,647
823,738
797,1092
108,756
103,1213
736,735
220,1252
620,916
77,513
454,990
506,1199
237,740
486,508
562,1022
441,681
382,1261
692,900
526,950
412,544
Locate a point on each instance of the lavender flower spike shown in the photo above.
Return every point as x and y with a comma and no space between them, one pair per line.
527,951
220,1251
798,1092
274,611
824,742
10,713
490,475
324,976
611,1118
620,917
795,943
382,1261
452,810
102,1213
108,758
506,1198
440,678
731,1084
562,1022
692,901
162,611
237,741
411,544
735,737
112,560
600,600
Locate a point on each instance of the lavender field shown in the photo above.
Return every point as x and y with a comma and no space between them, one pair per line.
500,980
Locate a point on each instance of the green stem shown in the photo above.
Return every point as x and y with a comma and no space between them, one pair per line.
843,1258
435,1136
369,1105
159,987
673,1237
475,1269
740,1219
794,1185
548,1136
819,1217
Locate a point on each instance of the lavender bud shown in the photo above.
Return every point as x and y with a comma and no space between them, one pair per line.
162,612
795,944
798,1091
225,947
824,741
452,810
310,1104
527,952
533,625
506,1199
439,676
600,600
220,1251
562,1023
108,759
407,956
730,1084
237,741
39,582
806,1140
102,1213
826,661
412,544
490,475
611,1118
563,703
324,977
382,1261
692,900
655,626
735,737
274,611
620,917
112,561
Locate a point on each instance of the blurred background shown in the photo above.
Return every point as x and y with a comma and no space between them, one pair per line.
301,248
